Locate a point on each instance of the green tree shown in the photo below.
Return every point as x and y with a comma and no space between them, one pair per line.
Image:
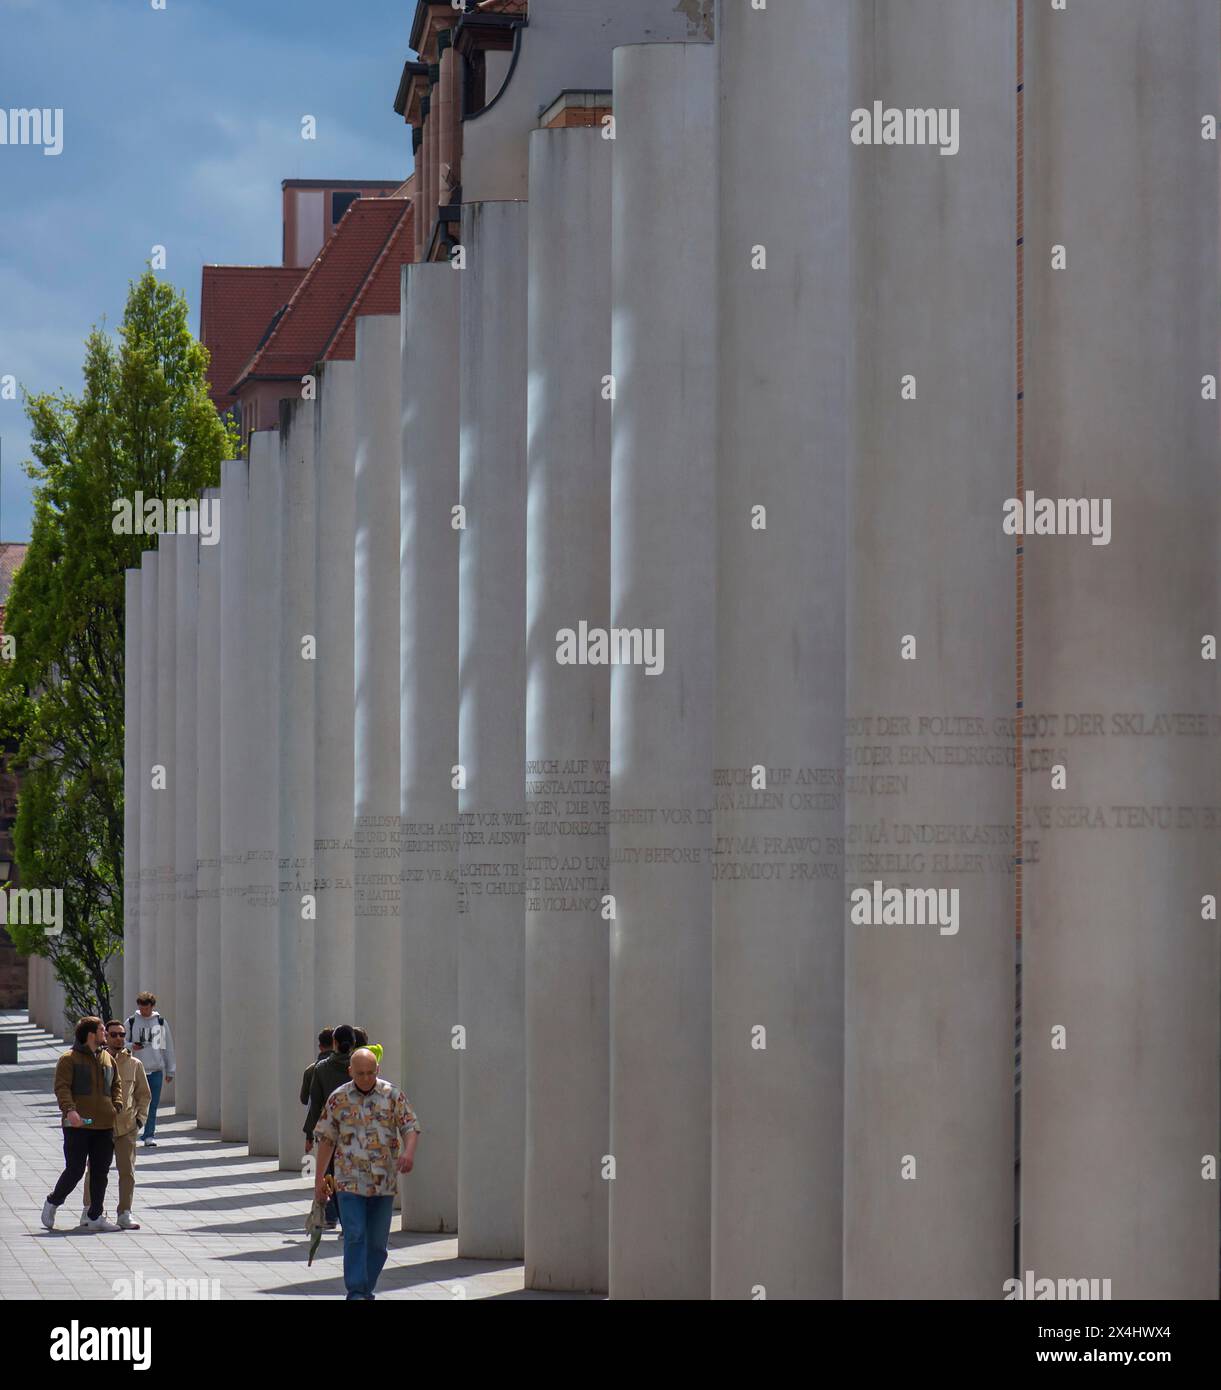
143,422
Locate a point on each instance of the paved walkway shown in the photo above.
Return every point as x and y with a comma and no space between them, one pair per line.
208,1212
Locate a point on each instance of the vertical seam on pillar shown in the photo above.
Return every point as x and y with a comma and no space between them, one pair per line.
1019,633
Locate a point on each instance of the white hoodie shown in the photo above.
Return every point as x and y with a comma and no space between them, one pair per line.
157,1052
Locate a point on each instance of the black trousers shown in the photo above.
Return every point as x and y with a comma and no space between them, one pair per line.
85,1147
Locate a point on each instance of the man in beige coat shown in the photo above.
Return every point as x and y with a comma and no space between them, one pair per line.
137,1097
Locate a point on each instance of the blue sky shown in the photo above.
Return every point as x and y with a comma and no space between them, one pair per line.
178,126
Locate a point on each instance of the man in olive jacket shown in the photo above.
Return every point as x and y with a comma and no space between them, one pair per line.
137,1097
90,1095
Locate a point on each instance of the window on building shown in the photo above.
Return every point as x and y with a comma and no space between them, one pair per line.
340,203
474,88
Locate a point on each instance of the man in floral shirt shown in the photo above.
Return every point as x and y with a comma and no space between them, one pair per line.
370,1127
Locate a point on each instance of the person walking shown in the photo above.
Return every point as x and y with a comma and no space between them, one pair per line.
325,1045
90,1095
362,1040
136,1099
329,1072
151,1040
371,1131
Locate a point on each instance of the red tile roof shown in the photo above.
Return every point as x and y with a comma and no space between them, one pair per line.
349,274
236,304
381,292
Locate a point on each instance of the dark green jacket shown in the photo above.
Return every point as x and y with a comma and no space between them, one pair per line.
329,1074
308,1077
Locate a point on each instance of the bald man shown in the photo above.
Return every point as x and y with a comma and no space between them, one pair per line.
371,1129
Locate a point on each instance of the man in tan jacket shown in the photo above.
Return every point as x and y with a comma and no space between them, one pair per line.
137,1096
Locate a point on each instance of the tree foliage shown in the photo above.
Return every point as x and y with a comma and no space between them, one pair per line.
143,422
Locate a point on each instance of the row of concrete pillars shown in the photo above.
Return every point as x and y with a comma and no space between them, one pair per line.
756,396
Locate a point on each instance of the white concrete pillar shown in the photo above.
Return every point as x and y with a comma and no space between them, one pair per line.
208,979
428,684
929,788
114,983
58,1021
40,965
150,886
298,661
132,783
1120,976
777,1026
378,929
34,991
165,798
186,849
663,577
491,731
237,1002
567,712
263,792
334,970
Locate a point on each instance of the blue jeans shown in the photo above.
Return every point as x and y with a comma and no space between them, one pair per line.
155,1082
366,1236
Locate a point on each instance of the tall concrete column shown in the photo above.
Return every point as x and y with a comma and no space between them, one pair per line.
132,782
567,712
58,1021
208,979
428,733
186,848
491,731
786,325
165,800
41,968
334,967
298,661
237,1001
929,788
34,990
114,981
662,730
376,714
264,1094
1120,968
150,886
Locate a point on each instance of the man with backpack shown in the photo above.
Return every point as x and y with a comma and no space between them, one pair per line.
150,1039
330,1072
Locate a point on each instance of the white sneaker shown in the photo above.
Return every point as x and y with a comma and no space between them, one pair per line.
101,1225
84,1221
127,1222
48,1215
